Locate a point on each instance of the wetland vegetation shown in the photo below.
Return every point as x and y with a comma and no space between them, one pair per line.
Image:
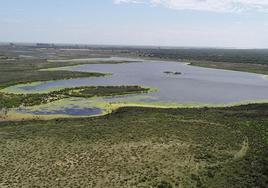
132,146
254,68
9,100
140,147
248,60
24,71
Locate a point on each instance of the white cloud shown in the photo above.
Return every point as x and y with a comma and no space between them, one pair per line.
206,5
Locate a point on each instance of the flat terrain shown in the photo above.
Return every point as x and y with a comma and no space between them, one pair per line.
248,60
134,146
16,69
16,100
23,71
254,68
140,147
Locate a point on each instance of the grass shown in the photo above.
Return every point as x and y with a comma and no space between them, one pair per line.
140,147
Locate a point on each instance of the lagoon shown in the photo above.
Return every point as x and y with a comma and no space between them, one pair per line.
193,85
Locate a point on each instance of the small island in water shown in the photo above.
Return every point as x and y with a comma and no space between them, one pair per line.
173,73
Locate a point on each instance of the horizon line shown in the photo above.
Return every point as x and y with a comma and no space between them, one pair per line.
130,45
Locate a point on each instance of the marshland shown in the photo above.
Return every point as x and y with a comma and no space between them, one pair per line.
123,122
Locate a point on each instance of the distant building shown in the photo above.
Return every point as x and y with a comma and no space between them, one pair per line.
45,45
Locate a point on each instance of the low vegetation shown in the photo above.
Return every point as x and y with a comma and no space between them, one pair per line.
242,56
133,146
21,70
254,68
16,100
248,60
13,78
140,147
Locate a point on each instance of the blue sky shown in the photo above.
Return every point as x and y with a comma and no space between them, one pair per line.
206,23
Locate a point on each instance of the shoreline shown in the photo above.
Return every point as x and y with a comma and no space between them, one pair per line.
108,109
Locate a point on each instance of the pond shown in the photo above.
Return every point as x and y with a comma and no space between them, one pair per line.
193,85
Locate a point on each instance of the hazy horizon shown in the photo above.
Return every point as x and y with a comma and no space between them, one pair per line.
126,45
237,24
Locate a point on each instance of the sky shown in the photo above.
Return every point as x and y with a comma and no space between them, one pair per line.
182,23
